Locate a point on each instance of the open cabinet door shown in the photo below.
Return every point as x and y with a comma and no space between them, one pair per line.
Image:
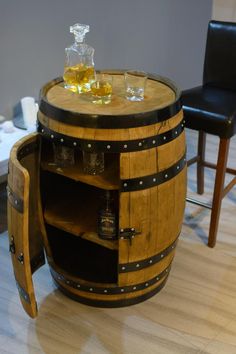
25,225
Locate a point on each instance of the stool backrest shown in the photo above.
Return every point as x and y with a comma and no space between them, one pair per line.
220,55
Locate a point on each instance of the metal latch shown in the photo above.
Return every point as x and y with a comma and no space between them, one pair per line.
129,233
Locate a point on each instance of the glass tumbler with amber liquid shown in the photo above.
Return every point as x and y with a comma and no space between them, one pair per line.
79,65
101,88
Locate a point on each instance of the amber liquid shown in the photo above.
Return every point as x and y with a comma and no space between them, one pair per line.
101,92
77,78
101,88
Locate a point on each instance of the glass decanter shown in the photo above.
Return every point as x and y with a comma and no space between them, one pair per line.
79,66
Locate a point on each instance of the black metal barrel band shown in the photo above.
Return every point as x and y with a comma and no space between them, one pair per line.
139,183
27,150
23,294
16,202
110,290
112,146
148,262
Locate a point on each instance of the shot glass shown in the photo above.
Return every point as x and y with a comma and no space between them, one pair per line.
93,162
135,82
63,155
101,89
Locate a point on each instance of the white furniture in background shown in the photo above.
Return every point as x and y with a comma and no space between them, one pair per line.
7,140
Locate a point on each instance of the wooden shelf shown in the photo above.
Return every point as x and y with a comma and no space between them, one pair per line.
85,260
109,179
75,211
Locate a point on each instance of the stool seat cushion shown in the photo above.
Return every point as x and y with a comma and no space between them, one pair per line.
210,109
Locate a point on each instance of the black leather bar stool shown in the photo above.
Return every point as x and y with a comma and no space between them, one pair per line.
211,108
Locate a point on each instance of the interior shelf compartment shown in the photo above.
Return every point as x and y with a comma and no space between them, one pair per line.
73,207
82,258
109,179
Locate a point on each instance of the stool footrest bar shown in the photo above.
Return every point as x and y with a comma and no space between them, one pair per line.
198,202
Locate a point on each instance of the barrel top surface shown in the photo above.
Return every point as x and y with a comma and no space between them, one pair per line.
157,95
161,100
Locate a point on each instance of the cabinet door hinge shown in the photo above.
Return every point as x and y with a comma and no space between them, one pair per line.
21,258
12,247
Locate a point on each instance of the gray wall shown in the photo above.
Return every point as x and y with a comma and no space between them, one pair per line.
166,37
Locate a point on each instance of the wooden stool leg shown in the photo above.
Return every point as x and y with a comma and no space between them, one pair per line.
218,190
201,159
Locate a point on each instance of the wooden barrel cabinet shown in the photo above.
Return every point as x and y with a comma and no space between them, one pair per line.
55,208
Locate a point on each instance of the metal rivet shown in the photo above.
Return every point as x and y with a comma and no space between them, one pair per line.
176,132
154,141
62,140
132,228
166,270
121,230
74,143
134,288
182,125
141,182
78,286
91,289
162,255
157,278
67,282
108,146
150,261
154,179
122,238
140,144
164,137
89,145
166,175
16,202
122,290
123,268
125,184
42,130
105,291
146,284
125,146
132,236
137,265
177,167
52,136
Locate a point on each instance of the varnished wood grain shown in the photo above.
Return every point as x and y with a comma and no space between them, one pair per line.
138,209
157,95
25,227
109,179
194,314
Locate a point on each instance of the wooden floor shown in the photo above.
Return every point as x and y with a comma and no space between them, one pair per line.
194,313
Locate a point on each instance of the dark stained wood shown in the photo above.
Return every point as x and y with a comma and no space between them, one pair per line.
200,165
218,190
